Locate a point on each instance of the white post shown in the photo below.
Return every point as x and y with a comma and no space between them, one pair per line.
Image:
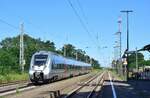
76,55
21,57
64,50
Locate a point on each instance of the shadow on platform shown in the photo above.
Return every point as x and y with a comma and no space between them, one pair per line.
130,89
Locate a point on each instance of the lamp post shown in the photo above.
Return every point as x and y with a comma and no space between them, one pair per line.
127,13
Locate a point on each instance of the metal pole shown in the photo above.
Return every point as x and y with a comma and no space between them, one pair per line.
121,68
21,57
119,31
86,60
76,55
91,62
64,50
136,60
127,69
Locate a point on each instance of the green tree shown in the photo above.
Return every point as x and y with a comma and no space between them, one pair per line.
9,51
132,59
81,55
95,64
145,63
70,50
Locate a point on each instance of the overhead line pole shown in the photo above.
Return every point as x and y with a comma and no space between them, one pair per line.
127,67
21,57
76,55
119,31
137,60
65,51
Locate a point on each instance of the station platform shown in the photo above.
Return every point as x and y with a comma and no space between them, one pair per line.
123,89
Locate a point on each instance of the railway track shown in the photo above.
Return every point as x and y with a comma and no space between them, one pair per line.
12,83
88,89
12,87
55,86
19,86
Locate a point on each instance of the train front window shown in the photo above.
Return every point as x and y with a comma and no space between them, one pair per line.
40,59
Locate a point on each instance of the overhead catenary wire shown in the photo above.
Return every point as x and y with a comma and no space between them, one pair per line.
21,54
82,11
84,25
86,21
81,21
10,25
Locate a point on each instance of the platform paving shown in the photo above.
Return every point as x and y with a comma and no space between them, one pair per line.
130,89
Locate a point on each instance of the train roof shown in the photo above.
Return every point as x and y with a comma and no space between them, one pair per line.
58,59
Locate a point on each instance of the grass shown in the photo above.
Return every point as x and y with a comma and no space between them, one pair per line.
17,90
120,77
11,77
96,70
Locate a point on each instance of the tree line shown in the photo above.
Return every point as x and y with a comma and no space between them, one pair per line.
132,61
9,52
141,61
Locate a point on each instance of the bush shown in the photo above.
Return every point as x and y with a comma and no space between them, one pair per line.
13,77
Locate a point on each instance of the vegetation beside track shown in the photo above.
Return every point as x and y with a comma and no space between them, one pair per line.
13,77
119,77
96,70
9,55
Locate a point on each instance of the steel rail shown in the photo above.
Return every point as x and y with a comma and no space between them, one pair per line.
100,81
80,87
13,83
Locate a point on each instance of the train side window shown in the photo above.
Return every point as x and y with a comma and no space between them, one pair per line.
54,66
59,66
78,67
75,67
68,66
65,66
62,66
71,66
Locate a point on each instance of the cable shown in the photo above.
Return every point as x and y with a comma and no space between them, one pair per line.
85,18
82,11
12,26
8,24
80,20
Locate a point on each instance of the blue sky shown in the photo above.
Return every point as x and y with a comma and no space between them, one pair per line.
55,20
